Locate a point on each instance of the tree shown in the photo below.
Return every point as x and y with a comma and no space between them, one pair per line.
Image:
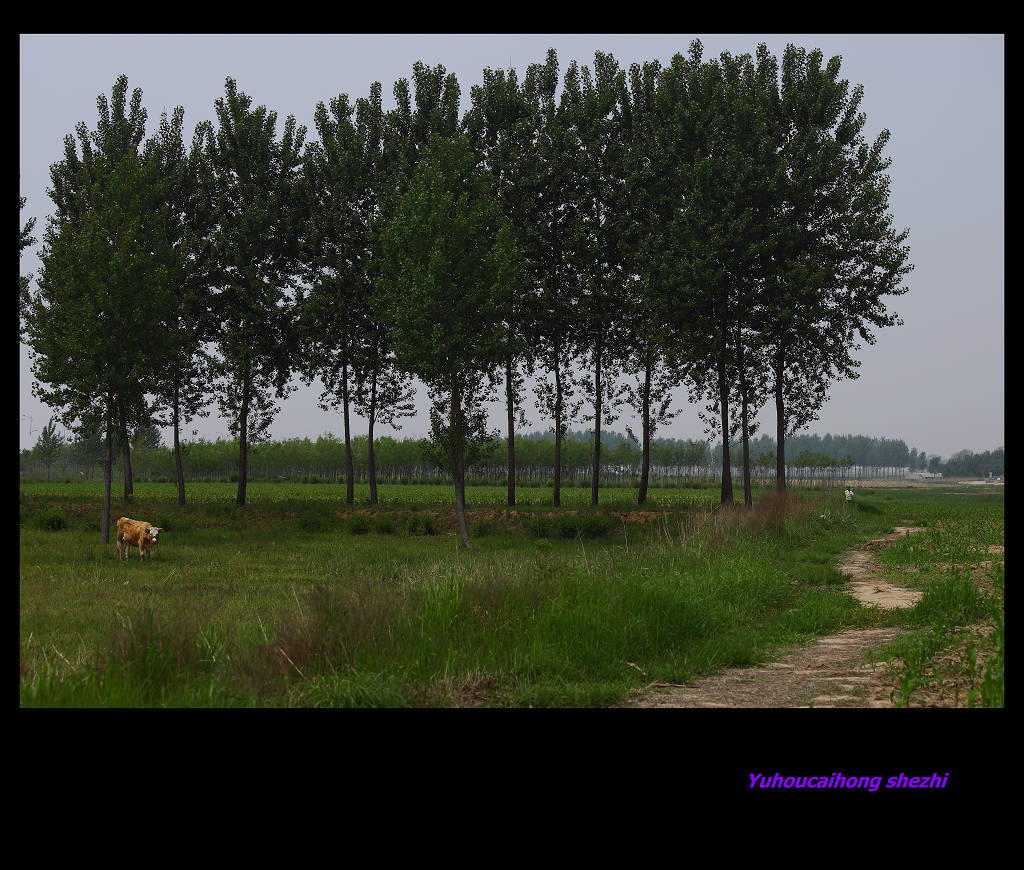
449,257
835,253
259,203
48,445
123,414
702,240
180,382
335,309
393,144
651,358
89,449
147,437
746,118
346,341
548,178
501,129
592,106
92,343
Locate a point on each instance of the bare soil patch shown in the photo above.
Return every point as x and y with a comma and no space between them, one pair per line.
827,673
867,585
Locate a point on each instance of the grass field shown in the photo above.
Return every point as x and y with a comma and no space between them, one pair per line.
297,599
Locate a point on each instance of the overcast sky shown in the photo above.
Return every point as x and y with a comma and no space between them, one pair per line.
937,382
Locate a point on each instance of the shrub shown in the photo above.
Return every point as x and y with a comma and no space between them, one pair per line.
413,524
313,523
383,525
481,528
587,526
164,522
539,526
596,526
51,522
357,524
428,526
567,526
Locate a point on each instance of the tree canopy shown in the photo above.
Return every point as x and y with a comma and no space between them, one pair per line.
450,257
719,223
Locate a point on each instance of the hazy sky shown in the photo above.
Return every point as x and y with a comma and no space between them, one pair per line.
937,381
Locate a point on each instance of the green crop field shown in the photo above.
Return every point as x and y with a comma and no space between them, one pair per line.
297,599
389,495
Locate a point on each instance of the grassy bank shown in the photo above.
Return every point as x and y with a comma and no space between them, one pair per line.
299,600
954,650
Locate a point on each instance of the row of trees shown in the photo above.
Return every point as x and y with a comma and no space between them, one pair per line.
407,460
720,224
863,450
965,463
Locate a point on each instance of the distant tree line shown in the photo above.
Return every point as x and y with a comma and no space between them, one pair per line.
964,463
716,224
409,460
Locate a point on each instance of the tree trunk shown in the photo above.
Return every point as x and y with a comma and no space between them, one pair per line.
349,471
243,443
744,427
371,462
458,470
646,462
597,424
748,500
510,405
780,428
126,457
723,398
179,474
558,432
108,467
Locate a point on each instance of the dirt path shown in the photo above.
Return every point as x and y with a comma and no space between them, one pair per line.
830,672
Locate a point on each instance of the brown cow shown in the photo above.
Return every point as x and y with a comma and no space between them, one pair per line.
137,533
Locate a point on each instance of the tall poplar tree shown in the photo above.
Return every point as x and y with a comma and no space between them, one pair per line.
345,340
836,254
698,299
180,382
335,308
258,199
382,393
651,358
501,128
592,107
753,174
427,109
553,330
93,341
449,257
